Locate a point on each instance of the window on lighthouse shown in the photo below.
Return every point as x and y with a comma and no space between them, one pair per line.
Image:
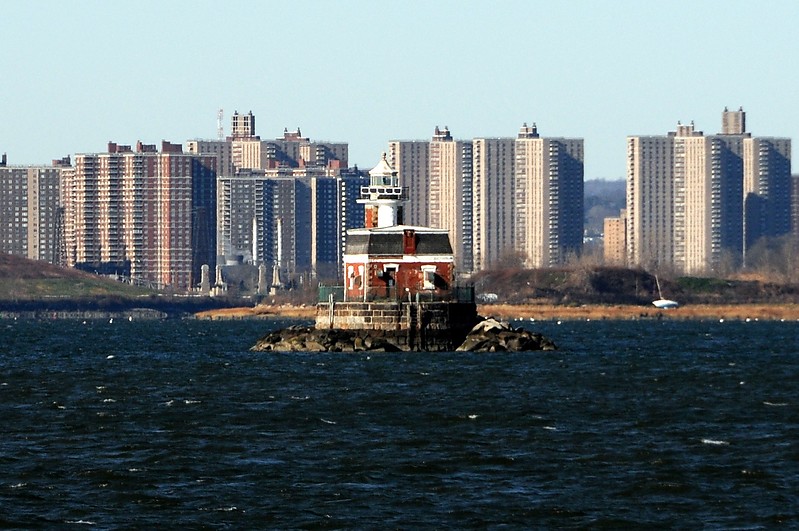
428,277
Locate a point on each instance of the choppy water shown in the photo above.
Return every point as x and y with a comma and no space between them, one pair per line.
641,423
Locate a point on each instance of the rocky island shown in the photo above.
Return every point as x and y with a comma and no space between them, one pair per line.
488,335
399,291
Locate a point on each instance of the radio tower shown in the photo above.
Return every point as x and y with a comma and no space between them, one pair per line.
220,131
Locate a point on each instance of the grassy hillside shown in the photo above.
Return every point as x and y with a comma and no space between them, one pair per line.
609,285
23,280
32,285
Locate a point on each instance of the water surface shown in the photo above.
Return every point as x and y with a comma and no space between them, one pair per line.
631,423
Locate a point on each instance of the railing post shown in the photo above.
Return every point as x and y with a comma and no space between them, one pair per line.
420,335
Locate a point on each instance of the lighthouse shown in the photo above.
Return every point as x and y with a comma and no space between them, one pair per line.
384,199
387,260
398,278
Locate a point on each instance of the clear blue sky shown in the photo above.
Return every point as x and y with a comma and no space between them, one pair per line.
80,73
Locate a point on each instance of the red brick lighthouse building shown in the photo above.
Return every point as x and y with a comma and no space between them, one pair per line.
398,279
388,260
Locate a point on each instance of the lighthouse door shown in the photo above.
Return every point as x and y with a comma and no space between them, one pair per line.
390,278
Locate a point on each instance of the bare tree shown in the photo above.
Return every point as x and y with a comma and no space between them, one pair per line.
775,258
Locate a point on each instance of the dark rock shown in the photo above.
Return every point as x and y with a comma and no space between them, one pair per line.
491,335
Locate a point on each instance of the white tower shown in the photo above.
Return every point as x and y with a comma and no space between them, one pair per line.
262,279
205,279
384,197
276,282
255,257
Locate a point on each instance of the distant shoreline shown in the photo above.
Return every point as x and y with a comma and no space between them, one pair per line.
505,312
732,312
549,312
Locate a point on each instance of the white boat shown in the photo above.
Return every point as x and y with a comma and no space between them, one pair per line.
663,304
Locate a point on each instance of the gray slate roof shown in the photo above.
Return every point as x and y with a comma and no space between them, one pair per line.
383,242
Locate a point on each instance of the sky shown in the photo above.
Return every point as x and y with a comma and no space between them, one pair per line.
78,74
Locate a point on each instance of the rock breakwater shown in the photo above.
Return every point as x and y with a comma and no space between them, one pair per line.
492,335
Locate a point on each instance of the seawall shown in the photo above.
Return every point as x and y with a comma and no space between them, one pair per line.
422,326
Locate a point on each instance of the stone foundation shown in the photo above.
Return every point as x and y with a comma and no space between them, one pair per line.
424,326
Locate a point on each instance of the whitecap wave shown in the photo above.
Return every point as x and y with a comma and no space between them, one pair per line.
715,442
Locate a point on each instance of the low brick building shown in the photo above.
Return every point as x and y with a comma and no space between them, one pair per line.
397,262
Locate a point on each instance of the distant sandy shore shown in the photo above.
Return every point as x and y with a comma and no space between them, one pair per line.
788,312
260,312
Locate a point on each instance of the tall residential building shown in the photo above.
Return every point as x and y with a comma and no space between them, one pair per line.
290,212
650,163
684,199
222,150
248,153
695,201
493,194
449,199
766,188
292,220
707,200
795,205
230,151
497,197
31,210
615,240
149,214
351,214
292,150
410,159
241,202
548,198
245,146
438,177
